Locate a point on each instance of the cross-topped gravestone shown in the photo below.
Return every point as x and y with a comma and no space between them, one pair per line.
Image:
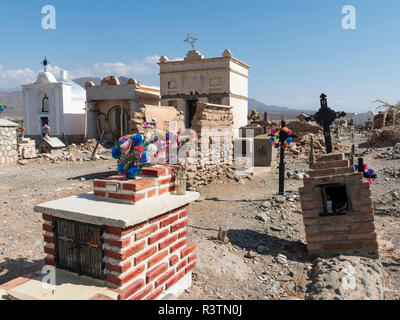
325,117
283,137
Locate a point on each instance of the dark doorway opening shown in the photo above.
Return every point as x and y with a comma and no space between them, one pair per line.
334,198
191,106
44,121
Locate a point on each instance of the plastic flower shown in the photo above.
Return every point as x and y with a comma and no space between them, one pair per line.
277,145
356,167
145,157
132,172
370,172
126,146
121,169
289,140
273,131
152,149
140,148
272,139
365,166
116,152
289,131
170,136
370,181
137,139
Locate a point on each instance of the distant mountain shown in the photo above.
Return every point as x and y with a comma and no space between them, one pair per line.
13,101
276,112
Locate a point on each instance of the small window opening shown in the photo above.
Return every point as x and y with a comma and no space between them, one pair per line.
335,200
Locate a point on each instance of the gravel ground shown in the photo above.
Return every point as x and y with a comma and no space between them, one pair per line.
260,260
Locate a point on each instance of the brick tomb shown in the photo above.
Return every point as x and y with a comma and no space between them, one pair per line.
337,209
131,235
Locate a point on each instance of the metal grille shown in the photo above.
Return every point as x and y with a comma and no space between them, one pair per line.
79,247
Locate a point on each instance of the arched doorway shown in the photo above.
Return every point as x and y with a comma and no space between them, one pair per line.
118,121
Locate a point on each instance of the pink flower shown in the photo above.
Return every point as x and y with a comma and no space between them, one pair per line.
126,146
273,131
288,131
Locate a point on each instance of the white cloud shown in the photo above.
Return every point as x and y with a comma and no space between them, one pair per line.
13,78
135,68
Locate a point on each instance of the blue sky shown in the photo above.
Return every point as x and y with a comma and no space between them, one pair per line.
296,48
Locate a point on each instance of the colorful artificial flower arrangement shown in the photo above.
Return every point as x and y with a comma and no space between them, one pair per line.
2,108
134,153
253,115
46,130
284,133
131,154
21,130
368,173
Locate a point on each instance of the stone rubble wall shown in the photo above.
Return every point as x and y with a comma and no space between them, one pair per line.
347,278
8,145
209,156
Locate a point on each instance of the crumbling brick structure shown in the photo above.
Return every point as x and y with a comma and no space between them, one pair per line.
337,209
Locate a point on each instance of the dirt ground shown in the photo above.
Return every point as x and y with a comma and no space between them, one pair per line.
246,267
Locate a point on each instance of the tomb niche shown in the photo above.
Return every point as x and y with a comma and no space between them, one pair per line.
337,209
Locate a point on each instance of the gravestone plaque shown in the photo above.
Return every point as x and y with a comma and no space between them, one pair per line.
264,153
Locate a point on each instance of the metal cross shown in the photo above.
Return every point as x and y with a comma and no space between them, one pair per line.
282,138
190,40
325,117
45,63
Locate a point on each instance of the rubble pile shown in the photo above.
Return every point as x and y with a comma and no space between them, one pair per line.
301,148
347,278
391,154
71,153
387,137
303,128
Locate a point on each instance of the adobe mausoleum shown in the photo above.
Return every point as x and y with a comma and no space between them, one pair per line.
128,240
220,80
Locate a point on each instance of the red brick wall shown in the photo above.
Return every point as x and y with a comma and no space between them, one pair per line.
144,260
153,182
353,233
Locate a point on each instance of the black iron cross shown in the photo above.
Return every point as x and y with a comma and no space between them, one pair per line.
282,140
45,63
325,117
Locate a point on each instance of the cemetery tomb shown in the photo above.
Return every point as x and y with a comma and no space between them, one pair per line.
337,209
126,241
